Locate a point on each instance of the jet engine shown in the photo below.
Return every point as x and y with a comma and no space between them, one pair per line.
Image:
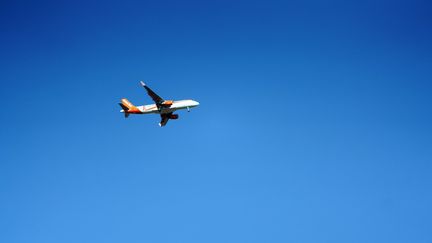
174,116
167,103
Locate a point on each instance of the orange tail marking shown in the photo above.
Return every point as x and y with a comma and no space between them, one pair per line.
130,106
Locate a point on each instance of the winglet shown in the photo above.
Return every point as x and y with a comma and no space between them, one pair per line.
142,83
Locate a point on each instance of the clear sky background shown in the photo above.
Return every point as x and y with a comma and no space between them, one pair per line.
314,123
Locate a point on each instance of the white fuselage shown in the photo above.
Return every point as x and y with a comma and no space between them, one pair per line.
177,105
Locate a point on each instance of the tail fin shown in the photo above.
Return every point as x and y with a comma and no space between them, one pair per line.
125,102
128,107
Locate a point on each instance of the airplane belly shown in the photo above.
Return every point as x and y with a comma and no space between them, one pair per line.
167,110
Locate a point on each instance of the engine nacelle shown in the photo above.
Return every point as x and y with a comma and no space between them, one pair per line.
174,116
167,103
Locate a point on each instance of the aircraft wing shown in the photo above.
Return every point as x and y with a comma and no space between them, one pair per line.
164,119
156,98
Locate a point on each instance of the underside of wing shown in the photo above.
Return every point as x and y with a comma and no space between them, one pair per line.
164,119
156,98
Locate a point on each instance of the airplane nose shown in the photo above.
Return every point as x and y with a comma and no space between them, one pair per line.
196,103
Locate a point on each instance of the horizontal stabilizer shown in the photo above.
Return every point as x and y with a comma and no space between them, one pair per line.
125,110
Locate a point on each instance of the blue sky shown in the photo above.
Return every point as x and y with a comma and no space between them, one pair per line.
314,123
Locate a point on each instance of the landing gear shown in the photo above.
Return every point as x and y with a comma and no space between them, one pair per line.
188,109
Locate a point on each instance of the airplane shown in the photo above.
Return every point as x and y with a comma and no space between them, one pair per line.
165,108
